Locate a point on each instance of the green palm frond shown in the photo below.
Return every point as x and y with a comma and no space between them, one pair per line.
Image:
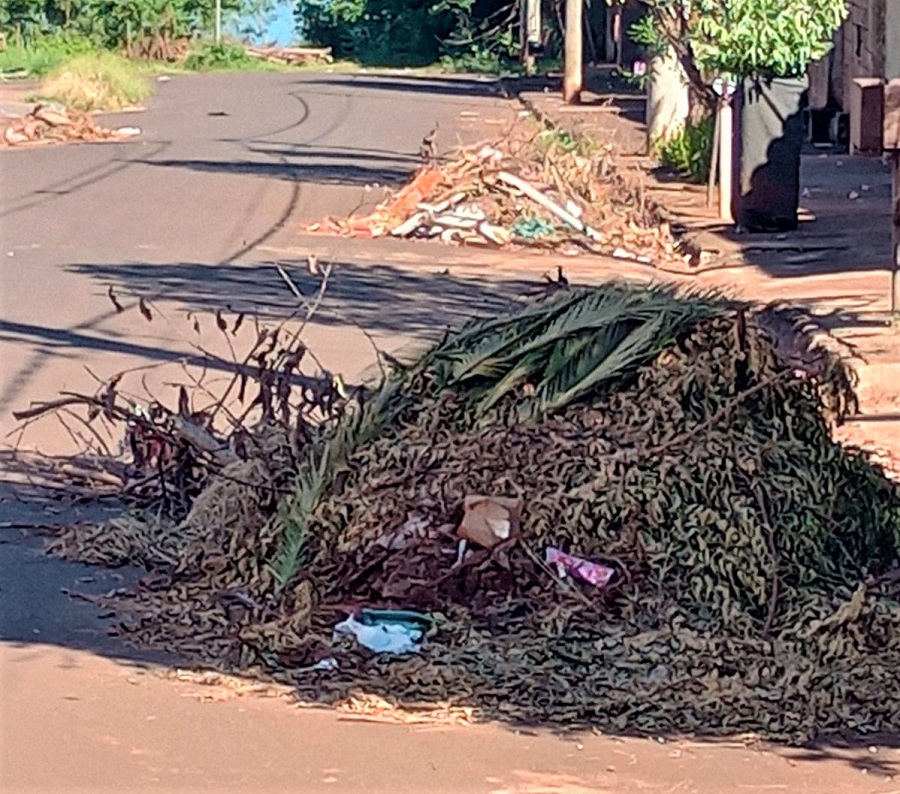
513,379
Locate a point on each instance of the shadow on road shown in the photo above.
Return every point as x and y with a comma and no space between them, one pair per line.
425,84
43,599
331,174
409,160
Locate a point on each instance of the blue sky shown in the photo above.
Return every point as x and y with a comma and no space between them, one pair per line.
280,25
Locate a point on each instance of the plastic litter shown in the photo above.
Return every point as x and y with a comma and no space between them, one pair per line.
325,665
385,631
578,568
533,228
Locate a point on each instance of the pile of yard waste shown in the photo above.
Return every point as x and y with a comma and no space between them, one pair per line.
549,190
619,507
47,124
290,56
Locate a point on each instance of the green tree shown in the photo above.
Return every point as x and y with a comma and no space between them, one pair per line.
116,23
741,38
411,32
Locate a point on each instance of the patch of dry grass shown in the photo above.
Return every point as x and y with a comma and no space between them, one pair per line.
97,81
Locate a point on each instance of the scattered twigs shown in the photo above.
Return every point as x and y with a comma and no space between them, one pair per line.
202,440
545,189
176,449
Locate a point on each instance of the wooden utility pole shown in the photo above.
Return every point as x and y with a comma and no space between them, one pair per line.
525,56
573,80
891,144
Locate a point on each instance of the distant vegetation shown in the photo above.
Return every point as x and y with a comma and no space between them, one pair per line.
481,35
41,36
139,28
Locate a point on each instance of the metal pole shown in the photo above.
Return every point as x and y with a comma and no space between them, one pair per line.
574,76
895,233
218,22
726,136
713,161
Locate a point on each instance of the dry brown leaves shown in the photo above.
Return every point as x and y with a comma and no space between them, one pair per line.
217,687
362,707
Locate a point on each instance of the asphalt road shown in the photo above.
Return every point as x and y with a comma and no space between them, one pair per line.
192,214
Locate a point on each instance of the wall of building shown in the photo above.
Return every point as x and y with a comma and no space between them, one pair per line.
892,40
862,44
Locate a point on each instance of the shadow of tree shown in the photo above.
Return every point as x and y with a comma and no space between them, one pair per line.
378,298
45,599
488,87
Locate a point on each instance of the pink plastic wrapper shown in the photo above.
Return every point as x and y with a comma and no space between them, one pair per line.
578,568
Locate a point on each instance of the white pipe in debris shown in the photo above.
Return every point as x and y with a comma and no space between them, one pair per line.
535,195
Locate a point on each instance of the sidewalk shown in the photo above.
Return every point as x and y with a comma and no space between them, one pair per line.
14,97
835,266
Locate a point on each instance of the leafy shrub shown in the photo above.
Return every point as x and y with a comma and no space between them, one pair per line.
97,81
765,38
208,57
740,39
689,150
475,35
42,54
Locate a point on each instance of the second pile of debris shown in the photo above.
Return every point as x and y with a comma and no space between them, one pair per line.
547,190
45,124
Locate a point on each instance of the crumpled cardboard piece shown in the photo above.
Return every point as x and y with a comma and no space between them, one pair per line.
490,520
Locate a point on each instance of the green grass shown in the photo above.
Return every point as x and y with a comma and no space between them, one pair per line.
97,81
41,55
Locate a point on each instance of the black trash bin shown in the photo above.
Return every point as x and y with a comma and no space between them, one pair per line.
768,140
